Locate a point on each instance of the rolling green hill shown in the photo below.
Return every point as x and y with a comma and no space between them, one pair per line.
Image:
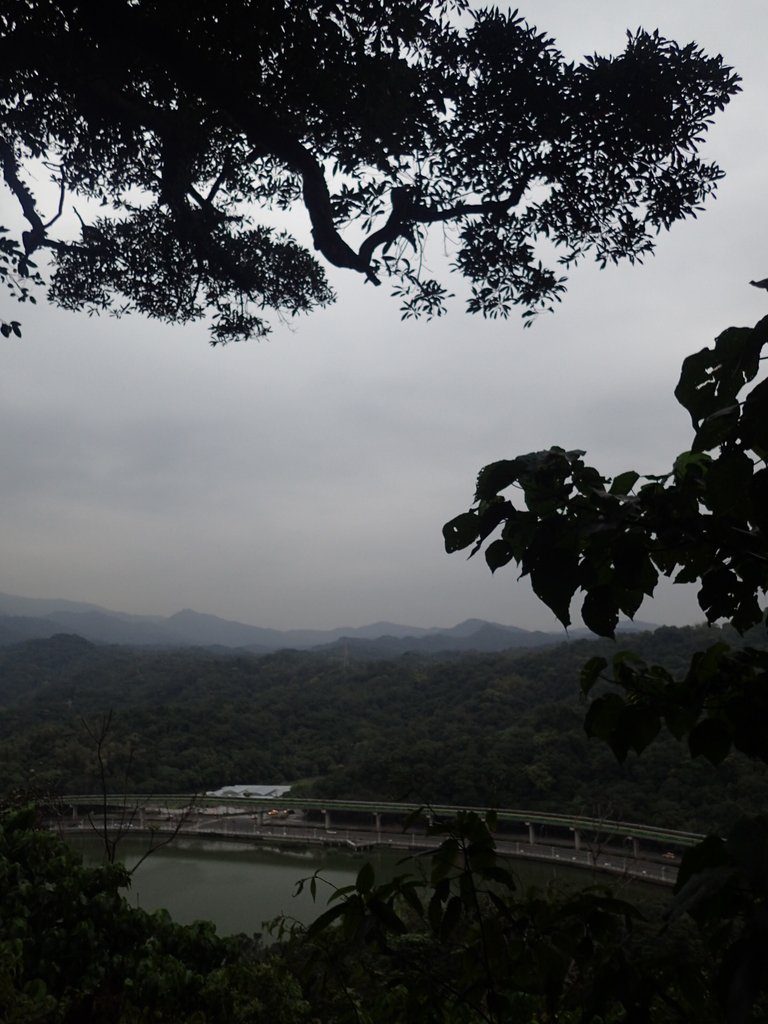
503,729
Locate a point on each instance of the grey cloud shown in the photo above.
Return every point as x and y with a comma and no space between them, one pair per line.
303,481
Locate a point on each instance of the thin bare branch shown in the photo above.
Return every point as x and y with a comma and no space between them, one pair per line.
62,193
158,844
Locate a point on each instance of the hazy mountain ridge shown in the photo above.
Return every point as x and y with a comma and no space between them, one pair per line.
486,638
23,618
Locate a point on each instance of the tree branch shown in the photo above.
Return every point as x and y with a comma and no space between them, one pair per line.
157,844
36,237
268,137
406,212
60,210
431,215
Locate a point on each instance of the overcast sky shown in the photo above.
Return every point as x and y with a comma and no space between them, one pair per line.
304,481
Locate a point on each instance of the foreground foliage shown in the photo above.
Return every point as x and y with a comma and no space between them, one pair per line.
456,943
704,521
464,944
73,951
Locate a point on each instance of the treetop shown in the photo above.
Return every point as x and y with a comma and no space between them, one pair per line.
172,127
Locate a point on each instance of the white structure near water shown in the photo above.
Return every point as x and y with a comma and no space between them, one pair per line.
253,792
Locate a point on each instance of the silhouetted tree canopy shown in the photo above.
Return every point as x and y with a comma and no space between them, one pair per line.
176,126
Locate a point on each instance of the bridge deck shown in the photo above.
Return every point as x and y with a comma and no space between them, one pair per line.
573,823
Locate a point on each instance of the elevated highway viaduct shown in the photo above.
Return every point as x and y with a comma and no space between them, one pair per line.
536,834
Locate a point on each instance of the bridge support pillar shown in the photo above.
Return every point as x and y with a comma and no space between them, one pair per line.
377,819
261,819
327,819
141,817
576,839
635,848
531,834
74,812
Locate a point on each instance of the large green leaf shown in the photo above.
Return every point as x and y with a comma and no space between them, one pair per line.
710,738
696,461
711,379
603,715
451,917
365,878
710,853
624,482
747,714
591,672
696,390
600,611
325,919
639,726
718,593
554,572
498,554
461,532
747,844
634,569
717,428
384,912
623,726
727,484
495,478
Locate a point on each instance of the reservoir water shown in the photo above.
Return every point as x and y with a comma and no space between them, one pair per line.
239,886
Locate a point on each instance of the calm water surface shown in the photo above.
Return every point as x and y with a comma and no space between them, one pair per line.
239,886
236,885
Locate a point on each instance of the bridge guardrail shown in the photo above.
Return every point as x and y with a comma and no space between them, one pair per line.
602,826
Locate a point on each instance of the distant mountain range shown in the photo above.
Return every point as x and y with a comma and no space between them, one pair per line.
26,618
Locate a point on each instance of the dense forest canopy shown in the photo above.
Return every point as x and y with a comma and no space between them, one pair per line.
499,729
468,944
173,126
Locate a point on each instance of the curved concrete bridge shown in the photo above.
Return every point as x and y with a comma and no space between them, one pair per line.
625,848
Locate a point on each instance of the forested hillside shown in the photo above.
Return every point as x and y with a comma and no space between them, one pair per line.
500,729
